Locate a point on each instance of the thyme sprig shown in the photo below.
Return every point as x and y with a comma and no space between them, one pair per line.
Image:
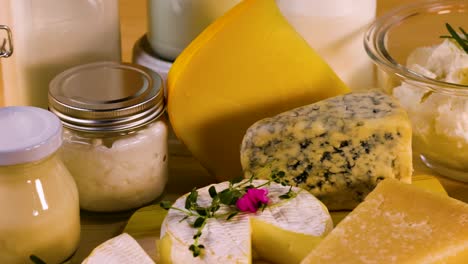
461,39
36,260
228,197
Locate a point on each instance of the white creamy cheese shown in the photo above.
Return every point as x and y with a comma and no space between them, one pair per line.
229,241
446,62
122,249
440,121
118,174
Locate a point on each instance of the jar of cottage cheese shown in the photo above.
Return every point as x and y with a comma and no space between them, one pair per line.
115,133
40,214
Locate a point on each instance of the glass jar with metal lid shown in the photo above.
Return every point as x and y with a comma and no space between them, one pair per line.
40,213
115,133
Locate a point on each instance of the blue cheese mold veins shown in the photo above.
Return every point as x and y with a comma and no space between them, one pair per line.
337,149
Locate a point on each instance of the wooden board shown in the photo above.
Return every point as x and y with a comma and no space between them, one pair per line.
146,223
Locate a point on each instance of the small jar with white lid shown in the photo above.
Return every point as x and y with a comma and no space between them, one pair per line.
39,205
115,133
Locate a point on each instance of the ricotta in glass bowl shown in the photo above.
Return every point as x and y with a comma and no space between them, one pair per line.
429,77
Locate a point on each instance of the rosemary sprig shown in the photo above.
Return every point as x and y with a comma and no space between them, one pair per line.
227,197
462,40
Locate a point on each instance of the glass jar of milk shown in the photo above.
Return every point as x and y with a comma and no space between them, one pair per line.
38,197
50,36
335,29
115,134
173,24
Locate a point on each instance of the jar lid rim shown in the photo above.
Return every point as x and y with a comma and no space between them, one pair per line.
107,96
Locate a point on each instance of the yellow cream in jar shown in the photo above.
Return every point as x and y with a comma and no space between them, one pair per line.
38,196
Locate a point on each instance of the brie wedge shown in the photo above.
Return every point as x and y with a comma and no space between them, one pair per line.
283,232
122,249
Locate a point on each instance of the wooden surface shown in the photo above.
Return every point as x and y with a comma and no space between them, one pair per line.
184,171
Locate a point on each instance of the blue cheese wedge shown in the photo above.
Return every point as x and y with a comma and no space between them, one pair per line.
284,232
337,149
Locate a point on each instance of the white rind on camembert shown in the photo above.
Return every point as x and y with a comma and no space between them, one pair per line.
297,222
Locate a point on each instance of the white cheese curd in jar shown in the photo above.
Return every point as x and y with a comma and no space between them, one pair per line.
120,172
440,120
115,133
38,197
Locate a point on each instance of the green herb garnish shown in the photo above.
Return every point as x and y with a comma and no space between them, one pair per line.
461,39
36,260
290,194
234,193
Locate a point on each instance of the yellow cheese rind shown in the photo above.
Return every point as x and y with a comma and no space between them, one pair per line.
165,247
430,183
399,223
247,65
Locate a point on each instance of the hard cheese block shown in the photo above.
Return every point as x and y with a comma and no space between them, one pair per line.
247,65
338,149
399,223
425,182
284,232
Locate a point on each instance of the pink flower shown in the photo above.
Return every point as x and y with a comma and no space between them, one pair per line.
252,200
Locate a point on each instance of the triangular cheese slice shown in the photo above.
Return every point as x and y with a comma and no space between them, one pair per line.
247,65
282,233
399,223
118,250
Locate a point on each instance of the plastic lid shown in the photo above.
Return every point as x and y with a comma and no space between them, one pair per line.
106,97
28,134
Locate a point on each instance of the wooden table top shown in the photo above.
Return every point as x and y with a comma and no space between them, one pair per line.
97,228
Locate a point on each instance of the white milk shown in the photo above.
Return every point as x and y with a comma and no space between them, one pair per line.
335,29
173,24
50,36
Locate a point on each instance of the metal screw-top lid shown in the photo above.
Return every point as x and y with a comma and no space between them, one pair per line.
107,97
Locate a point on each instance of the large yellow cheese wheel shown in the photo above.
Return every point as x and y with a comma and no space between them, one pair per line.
247,65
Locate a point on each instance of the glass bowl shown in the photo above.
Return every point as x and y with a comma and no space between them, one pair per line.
437,107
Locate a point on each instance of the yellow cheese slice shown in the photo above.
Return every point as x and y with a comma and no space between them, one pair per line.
247,65
423,181
428,182
278,245
398,223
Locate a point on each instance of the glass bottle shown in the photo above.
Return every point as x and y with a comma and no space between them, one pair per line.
335,29
38,197
50,36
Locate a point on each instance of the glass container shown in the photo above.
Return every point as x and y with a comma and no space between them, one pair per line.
429,76
38,197
49,36
335,29
115,133
172,25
